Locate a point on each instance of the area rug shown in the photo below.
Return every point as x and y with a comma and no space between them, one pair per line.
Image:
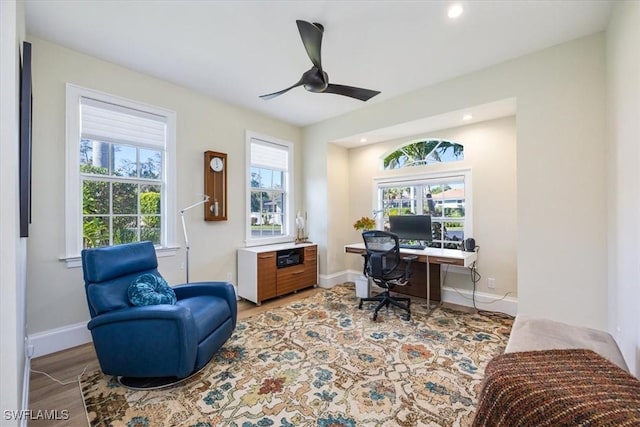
322,362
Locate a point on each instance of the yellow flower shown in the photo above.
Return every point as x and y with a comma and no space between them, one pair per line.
365,223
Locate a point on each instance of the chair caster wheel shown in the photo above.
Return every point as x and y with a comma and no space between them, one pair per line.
406,317
360,306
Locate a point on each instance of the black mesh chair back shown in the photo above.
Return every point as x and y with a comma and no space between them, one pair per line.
385,266
383,257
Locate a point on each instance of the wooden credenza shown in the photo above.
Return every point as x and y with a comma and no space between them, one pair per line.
261,276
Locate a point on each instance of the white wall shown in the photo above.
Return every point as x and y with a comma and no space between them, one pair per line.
490,154
55,293
12,248
339,219
561,229
315,175
623,105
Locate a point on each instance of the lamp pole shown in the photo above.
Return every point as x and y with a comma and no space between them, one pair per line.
184,230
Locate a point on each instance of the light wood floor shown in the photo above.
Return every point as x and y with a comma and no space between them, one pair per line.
66,366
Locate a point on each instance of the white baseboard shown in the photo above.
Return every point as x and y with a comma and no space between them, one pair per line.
484,301
58,339
328,281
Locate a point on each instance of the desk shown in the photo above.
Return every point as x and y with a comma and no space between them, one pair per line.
425,279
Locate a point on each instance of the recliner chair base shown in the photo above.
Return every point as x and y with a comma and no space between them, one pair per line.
153,383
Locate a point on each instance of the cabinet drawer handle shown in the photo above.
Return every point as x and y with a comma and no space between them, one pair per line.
266,256
298,272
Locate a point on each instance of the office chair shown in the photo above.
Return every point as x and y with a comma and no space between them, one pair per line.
384,265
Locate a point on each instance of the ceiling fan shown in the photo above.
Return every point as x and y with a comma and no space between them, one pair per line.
316,79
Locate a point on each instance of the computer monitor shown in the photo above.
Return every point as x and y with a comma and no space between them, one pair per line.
411,227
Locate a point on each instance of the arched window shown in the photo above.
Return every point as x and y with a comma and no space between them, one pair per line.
444,194
424,153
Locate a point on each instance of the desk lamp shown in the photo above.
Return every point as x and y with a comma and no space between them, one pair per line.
184,229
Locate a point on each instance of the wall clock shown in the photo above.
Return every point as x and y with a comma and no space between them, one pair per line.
215,186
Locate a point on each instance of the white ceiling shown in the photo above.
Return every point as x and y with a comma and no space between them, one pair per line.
235,51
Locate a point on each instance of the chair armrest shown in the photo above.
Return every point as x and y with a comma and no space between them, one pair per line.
366,261
222,290
377,270
149,312
407,267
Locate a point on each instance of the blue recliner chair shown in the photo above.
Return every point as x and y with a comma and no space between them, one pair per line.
152,341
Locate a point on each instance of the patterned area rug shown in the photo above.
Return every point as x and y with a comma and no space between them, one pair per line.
322,362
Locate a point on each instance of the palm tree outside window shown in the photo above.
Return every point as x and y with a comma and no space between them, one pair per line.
442,195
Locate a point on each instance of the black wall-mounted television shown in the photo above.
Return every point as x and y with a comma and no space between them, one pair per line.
26,110
411,227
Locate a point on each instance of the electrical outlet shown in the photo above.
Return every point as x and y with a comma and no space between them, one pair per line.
491,283
182,266
229,276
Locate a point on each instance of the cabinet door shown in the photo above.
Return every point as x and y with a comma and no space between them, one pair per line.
266,276
310,276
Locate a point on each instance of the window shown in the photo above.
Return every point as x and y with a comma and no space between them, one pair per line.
269,190
446,196
425,152
443,197
120,172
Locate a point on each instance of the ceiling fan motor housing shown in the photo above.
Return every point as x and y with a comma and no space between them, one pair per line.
316,80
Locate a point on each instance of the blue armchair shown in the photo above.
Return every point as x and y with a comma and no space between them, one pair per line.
165,340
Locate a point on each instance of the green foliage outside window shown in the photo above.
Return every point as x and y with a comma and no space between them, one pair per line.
150,209
127,225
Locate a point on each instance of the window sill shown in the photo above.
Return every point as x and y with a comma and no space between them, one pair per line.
161,252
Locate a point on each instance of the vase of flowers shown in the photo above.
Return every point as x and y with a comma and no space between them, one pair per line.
365,223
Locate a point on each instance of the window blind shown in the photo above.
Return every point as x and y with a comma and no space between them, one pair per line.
269,155
108,122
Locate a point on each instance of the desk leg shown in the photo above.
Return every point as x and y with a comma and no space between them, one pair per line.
433,278
428,287
435,282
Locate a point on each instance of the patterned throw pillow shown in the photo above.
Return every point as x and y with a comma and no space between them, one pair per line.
149,289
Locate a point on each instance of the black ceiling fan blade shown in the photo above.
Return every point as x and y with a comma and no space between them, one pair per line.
353,92
280,92
311,35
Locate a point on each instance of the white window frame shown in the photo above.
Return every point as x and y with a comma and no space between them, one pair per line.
73,190
288,235
423,178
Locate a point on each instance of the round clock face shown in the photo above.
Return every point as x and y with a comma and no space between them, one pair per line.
216,164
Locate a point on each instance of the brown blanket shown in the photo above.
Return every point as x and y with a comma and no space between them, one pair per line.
557,388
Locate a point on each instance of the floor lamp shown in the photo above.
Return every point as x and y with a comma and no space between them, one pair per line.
184,229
